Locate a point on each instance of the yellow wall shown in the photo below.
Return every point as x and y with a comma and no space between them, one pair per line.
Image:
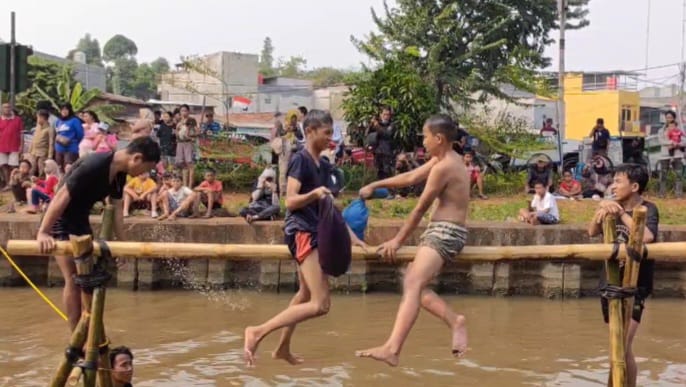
584,107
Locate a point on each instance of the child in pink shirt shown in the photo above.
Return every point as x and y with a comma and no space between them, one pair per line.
105,141
674,135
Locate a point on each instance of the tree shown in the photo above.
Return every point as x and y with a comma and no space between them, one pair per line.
144,85
160,66
119,46
46,75
393,84
326,76
467,49
90,47
267,58
293,67
121,52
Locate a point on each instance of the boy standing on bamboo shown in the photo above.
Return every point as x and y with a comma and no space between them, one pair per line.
447,182
630,180
90,180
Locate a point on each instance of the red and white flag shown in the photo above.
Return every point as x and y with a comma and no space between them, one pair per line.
241,102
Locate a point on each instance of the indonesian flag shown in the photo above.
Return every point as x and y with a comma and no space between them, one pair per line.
241,102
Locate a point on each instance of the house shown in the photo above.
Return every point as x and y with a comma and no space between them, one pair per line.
655,102
253,124
282,94
128,115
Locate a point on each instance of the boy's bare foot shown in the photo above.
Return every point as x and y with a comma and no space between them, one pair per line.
382,353
250,346
163,217
483,197
171,217
285,354
207,216
459,336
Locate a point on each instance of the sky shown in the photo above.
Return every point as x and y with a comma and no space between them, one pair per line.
320,30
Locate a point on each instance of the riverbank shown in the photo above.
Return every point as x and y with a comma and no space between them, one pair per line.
547,279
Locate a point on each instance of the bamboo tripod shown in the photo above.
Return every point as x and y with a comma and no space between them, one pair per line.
91,276
620,292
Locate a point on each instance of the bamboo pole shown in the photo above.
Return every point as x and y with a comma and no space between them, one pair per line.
104,376
78,338
666,251
617,374
632,267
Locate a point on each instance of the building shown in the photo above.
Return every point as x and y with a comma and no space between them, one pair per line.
655,102
280,94
214,79
610,95
90,76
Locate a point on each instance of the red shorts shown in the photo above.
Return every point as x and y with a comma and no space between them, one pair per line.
474,176
301,245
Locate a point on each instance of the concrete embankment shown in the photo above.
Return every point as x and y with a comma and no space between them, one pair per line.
548,279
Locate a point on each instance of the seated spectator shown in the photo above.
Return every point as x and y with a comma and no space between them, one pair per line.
541,172
20,182
543,209
674,135
569,187
121,361
404,163
177,200
548,130
264,201
597,179
106,140
475,177
210,194
43,191
138,193
160,194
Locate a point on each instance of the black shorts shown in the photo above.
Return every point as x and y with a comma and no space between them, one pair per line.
60,231
645,288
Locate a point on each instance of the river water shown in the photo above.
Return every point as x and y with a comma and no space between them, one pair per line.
188,339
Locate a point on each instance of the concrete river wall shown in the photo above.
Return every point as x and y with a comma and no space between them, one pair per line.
531,278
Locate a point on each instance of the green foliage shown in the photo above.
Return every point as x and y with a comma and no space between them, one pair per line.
357,176
267,58
396,85
293,67
89,46
160,66
47,76
118,47
234,177
327,76
144,85
503,134
466,49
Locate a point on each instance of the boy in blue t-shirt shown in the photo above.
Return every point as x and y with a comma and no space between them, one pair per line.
307,176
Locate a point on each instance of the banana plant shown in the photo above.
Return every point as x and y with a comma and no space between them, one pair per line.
81,100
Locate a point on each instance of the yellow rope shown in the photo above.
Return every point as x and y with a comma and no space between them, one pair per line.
41,294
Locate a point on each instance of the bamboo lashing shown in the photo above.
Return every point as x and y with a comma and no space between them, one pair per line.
617,375
666,251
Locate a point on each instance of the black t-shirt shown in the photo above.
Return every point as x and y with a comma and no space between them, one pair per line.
538,176
167,139
87,183
645,272
303,168
601,138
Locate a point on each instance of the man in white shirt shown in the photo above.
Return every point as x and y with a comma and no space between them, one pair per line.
543,208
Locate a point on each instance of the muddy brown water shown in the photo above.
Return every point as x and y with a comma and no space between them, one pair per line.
188,339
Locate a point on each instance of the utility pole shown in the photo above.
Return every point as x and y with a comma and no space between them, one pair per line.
13,55
561,117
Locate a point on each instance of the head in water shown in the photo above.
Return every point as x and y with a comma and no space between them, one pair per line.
121,360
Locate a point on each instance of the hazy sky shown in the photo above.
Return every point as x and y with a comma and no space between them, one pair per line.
319,30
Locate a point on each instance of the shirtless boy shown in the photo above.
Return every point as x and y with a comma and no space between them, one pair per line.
307,176
447,181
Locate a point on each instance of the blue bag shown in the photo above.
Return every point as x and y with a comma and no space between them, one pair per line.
356,215
381,193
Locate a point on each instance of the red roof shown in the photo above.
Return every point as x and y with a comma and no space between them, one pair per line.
251,120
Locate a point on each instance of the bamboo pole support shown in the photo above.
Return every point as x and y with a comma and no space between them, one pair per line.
665,252
617,375
78,339
104,375
632,267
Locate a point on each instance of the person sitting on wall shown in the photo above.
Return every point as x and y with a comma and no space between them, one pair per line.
160,193
541,172
264,201
20,181
543,209
209,193
569,188
42,191
177,200
138,193
121,360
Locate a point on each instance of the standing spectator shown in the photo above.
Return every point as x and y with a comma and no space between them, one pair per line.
276,141
264,204
19,182
68,135
143,125
548,129
601,138
301,129
569,187
43,143
11,142
474,171
138,193
177,201
186,131
106,140
543,208
167,139
90,132
288,146
43,191
383,144
211,127
210,193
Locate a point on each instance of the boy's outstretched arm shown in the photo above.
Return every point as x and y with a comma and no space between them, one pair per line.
399,181
434,186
